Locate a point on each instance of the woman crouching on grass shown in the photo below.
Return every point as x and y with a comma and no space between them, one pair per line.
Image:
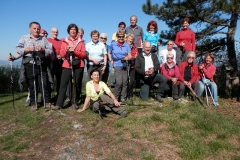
95,93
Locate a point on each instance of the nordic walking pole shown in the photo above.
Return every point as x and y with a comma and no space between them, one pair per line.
34,81
11,64
190,88
128,73
73,82
206,86
108,84
43,91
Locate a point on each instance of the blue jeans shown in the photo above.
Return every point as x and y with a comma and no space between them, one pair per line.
213,88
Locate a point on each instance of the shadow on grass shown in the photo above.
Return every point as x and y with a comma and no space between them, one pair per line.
8,101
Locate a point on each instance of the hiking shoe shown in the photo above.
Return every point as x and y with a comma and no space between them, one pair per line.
123,114
48,105
175,97
55,107
159,98
34,108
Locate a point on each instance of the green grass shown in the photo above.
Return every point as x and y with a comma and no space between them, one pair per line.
195,132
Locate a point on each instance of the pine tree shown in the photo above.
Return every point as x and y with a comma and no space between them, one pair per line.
215,23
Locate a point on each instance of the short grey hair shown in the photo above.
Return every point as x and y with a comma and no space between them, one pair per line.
81,30
170,41
103,34
193,53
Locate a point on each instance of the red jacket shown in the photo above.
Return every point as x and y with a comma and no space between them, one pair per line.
209,72
188,37
134,53
79,52
194,72
170,72
56,45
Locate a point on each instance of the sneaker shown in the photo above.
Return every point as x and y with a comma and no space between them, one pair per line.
123,100
159,98
34,108
55,107
216,104
123,114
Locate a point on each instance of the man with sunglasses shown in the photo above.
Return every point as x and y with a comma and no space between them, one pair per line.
163,53
188,73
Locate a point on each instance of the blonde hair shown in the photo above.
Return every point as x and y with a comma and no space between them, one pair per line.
130,35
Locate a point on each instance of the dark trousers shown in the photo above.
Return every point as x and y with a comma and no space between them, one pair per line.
66,75
131,82
148,82
37,77
171,88
182,88
92,67
56,71
69,86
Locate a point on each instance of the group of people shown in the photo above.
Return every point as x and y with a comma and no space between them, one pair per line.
133,54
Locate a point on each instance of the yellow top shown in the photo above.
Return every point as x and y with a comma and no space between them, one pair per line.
90,90
114,37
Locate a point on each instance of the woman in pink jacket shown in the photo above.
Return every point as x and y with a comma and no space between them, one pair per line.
74,45
171,71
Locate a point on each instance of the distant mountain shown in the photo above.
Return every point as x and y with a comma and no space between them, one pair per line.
6,63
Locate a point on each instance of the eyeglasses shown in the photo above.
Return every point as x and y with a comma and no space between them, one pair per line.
169,44
169,57
103,38
191,57
120,37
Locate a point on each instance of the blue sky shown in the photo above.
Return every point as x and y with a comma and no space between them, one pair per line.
103,16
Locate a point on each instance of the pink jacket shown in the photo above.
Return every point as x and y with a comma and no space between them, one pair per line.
188,37
170,72
79,52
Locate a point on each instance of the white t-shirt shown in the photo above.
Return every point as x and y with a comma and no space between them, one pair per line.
163,55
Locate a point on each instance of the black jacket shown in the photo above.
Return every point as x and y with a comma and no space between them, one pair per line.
140,65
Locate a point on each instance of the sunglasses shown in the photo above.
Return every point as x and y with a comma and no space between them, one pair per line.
120,36
103,38
191,57
169,44
169,57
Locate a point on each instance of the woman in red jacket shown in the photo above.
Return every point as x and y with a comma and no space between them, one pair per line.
132,72
171,71
207,71
75,45
185,40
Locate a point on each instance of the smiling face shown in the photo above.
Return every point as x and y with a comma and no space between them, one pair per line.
73,32
152,28
170,45
121,28
208,60
54,33
120,37
169,59
185,24
35,30
190,58
147,47
95,76
80,33
133,20
129,40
